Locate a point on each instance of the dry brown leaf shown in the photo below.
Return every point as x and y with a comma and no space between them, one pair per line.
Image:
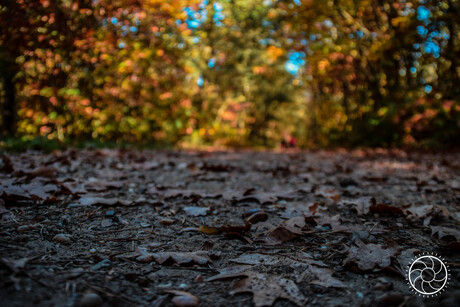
231,272
90,201
210,230
5,214
180,258
425,212
385,209
236,228
295,224
444,232
267,288
316,272
279,235
197,211
368,257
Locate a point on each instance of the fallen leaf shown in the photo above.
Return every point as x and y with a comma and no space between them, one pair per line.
360,205
368,257
295,224
327,192
210,230
322,277
444,232
267,288
197,211
180,258
5,214
425,212
385,209
231,272
91,201
7,166
315,272
42,171
236,228
15,265
279,235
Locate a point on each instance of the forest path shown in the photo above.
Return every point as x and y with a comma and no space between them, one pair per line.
151,228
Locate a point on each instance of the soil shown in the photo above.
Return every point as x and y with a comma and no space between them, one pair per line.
162,228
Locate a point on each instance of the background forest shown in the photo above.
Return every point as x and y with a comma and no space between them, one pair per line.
231,72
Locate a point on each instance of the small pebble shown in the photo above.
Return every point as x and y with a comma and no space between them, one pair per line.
62,238
185,299
91,300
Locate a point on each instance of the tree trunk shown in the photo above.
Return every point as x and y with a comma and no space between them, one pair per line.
9,104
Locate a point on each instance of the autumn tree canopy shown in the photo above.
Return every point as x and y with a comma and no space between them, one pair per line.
232,72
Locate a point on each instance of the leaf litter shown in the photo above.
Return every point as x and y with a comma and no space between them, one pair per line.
122,227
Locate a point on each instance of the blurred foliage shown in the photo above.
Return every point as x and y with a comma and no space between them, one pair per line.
231,72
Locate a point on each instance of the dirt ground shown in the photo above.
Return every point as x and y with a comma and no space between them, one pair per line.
164,228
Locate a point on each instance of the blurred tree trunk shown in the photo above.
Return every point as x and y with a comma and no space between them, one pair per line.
9,100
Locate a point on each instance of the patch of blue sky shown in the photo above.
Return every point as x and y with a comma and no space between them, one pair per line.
266,23
423,13
413,70
421,30
292,68
433,48
359,33
312,37
428,89
297,2
124,30
121,45
133,29
114,20
296,60
196,40
217,7
200,81
218,16
328,23
211,62
303,42
203,4
193,24
263,41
